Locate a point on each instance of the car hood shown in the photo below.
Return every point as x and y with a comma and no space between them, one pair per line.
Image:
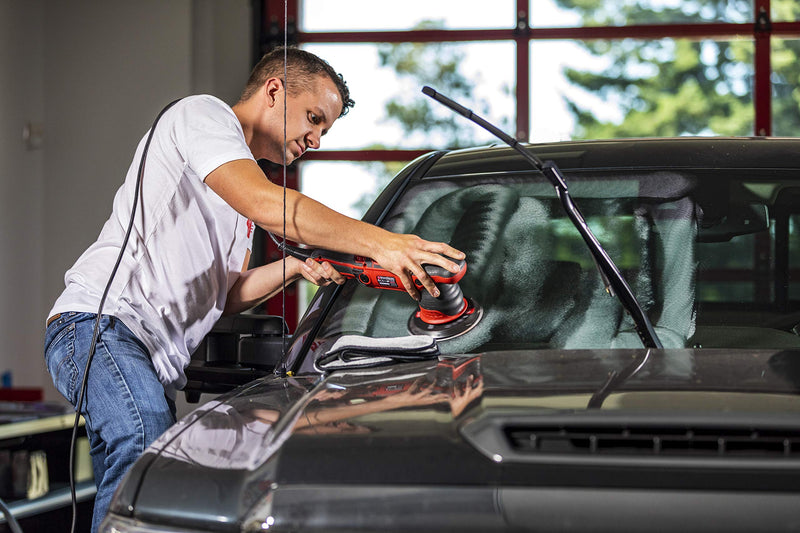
455,420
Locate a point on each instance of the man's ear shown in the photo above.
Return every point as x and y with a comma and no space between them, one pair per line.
272,87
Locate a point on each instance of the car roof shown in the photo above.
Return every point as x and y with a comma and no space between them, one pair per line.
702,153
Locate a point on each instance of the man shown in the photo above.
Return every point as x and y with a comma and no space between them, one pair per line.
186,260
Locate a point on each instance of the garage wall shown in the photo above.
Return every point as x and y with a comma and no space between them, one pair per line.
91,75
21,189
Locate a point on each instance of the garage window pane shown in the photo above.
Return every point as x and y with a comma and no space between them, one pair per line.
344,186
369,15
577,13
637,88
784,10
392,112
785,98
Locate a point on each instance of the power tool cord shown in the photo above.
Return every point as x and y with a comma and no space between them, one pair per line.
12,522
96,333
285,143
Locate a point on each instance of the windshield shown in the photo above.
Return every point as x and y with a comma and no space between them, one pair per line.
709,257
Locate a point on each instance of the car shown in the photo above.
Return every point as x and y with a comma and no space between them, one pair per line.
648,383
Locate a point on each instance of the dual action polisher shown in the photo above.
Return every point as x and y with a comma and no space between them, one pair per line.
445,317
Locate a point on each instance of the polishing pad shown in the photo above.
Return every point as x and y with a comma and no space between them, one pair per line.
458,326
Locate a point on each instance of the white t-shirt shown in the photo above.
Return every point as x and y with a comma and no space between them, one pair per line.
187,246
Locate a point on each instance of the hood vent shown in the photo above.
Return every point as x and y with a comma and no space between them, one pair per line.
653,441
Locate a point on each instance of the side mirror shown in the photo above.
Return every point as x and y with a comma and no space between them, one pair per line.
239,349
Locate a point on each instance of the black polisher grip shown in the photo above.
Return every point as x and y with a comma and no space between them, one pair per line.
442,275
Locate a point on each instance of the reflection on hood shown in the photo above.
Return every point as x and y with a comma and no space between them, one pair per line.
242,434
224,437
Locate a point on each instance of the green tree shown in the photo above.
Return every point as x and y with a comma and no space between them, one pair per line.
437,65
673,87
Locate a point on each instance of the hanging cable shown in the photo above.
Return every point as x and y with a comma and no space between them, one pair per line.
285,144
98,317
13,525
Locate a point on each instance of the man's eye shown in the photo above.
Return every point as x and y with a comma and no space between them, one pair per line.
314,119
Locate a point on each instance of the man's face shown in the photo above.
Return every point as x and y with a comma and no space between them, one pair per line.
309,116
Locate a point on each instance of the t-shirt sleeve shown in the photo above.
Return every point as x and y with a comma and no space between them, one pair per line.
208,135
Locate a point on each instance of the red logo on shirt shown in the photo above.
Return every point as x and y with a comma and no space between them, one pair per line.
250,227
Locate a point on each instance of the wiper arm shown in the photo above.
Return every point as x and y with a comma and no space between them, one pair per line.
612,277
615,380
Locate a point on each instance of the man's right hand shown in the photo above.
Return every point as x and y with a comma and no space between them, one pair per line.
404,255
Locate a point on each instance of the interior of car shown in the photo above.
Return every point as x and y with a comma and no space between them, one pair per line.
708,258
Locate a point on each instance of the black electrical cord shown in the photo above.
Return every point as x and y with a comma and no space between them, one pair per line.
12,522
96,332
285,95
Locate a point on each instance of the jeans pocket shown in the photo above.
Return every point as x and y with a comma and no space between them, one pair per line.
60,362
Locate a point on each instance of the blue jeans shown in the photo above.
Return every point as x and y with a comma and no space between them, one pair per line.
124,406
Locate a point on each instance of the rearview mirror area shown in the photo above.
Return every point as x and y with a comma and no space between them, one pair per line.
738,220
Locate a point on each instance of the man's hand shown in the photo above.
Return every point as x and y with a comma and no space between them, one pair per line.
404,255
257,285
320,274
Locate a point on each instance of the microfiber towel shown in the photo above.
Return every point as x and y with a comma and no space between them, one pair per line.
356,351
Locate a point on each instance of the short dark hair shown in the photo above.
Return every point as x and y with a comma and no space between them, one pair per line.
302,70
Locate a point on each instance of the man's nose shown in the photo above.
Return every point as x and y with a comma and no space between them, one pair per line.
313,139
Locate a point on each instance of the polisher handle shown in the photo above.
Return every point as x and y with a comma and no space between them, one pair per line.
371,274
442,275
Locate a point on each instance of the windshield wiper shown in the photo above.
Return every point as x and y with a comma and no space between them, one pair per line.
612,277
616,379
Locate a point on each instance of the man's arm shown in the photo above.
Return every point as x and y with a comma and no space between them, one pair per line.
244,187
257,285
